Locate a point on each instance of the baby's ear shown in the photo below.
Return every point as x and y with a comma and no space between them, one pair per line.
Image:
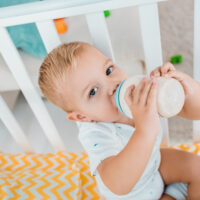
75,116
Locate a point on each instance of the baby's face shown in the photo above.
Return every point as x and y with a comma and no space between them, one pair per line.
92,88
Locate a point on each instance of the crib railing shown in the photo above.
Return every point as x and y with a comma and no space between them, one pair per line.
42,13
196,58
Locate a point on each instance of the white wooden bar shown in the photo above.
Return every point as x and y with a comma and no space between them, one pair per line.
48,34
196,58
51,9
150,29
149,22
14,128
100,34
16,66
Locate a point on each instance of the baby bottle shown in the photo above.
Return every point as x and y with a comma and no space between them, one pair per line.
170,98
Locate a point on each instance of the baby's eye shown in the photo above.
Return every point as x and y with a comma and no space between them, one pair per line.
92,92
109,70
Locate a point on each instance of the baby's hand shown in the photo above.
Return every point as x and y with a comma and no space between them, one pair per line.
162,70
143,105
168,70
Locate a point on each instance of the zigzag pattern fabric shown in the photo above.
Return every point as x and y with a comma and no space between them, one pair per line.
46,176
63,175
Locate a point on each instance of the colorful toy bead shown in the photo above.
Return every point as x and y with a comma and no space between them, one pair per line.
176,59
106,13
61,26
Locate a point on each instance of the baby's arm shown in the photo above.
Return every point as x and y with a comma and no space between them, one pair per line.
121,172
191,108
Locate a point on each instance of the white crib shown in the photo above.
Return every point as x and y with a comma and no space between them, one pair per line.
43,13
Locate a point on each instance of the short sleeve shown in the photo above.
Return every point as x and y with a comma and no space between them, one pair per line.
100,142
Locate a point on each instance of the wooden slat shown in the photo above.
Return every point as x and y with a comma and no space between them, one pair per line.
14,128
51,9
100,35
48,34
196,58
18,69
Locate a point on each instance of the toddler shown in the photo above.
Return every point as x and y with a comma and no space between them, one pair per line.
125,155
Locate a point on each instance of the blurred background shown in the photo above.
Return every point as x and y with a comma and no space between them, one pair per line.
176,26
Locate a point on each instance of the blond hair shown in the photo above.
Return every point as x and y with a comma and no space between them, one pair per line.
54,70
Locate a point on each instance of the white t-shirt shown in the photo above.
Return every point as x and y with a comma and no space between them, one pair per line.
103,139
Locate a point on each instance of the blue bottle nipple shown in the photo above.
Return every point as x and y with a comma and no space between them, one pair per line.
117,101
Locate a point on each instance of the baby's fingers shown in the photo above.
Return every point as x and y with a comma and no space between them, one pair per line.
175,74
145,92
167,67
162,70
138,90
156,72
152,96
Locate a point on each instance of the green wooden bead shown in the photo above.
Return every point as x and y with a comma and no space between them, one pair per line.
176,59
106,13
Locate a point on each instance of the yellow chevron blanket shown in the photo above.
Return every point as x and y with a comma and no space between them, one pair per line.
63,175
